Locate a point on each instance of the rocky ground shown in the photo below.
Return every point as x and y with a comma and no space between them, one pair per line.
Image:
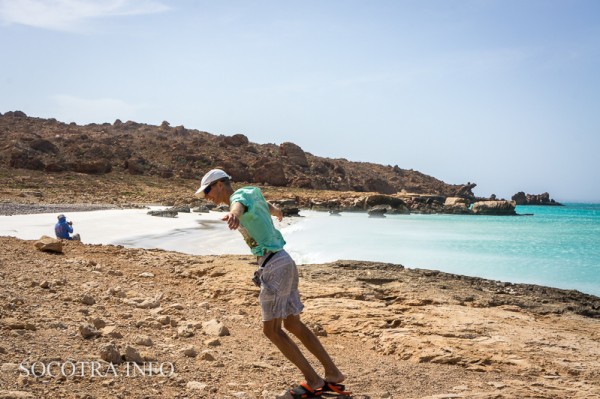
395,332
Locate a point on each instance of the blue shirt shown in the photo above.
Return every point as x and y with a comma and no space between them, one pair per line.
62,230
256,224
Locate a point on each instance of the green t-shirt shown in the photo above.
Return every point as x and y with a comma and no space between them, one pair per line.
256,223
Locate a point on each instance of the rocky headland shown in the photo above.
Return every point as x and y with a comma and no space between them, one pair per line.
396,332
128,163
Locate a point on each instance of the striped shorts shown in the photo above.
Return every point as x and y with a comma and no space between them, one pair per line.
279,296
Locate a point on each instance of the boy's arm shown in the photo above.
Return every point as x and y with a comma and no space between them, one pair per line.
236,211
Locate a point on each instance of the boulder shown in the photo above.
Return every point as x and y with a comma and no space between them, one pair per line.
270,173
96,167
294,153
44,146
237,140
49,244
394,205
20,159
494,208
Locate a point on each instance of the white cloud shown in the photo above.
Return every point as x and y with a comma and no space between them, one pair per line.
83,111
71,15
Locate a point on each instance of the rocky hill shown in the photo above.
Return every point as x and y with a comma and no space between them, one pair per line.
177,152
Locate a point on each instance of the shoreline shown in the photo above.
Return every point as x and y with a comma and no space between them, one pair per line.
441,334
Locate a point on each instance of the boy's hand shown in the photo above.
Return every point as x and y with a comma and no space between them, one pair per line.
233,221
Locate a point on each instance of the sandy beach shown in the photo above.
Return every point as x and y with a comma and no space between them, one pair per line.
396,333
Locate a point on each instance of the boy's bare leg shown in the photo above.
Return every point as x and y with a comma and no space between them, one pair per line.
294,325
272,329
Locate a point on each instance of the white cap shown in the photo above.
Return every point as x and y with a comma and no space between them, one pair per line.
209,178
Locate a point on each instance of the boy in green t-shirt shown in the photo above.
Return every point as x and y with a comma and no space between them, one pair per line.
279,298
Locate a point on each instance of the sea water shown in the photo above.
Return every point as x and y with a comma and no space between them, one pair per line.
557,246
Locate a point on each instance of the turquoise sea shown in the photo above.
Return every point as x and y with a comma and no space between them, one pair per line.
557,246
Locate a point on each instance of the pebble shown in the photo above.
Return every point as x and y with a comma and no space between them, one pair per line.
189,351
212,342
88,332
144,340
185,332
87,300
196,386
146,274
215,327
109,353
132,355
207,355
98,323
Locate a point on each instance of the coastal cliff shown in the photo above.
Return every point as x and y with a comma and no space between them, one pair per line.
395,332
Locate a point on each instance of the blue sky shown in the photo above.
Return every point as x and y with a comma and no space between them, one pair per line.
502,93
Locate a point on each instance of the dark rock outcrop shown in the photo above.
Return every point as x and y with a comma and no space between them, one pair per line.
521,198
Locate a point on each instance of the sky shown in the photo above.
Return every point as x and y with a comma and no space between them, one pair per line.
503,93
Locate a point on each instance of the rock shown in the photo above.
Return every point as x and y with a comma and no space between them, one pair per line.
143,340
14,324
196,386
49,244
44,146
294,153
109,353
146,274
165,213
15,395
284,395
88,332
201,209
132,355
87,300
189,351
145,303
207,355
212,342
111,331
215,327
494,208
185,331
98,323
466,191
378,211
181,208
269,172
237,140
453,201
45,284
164,320
95,167
521,198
